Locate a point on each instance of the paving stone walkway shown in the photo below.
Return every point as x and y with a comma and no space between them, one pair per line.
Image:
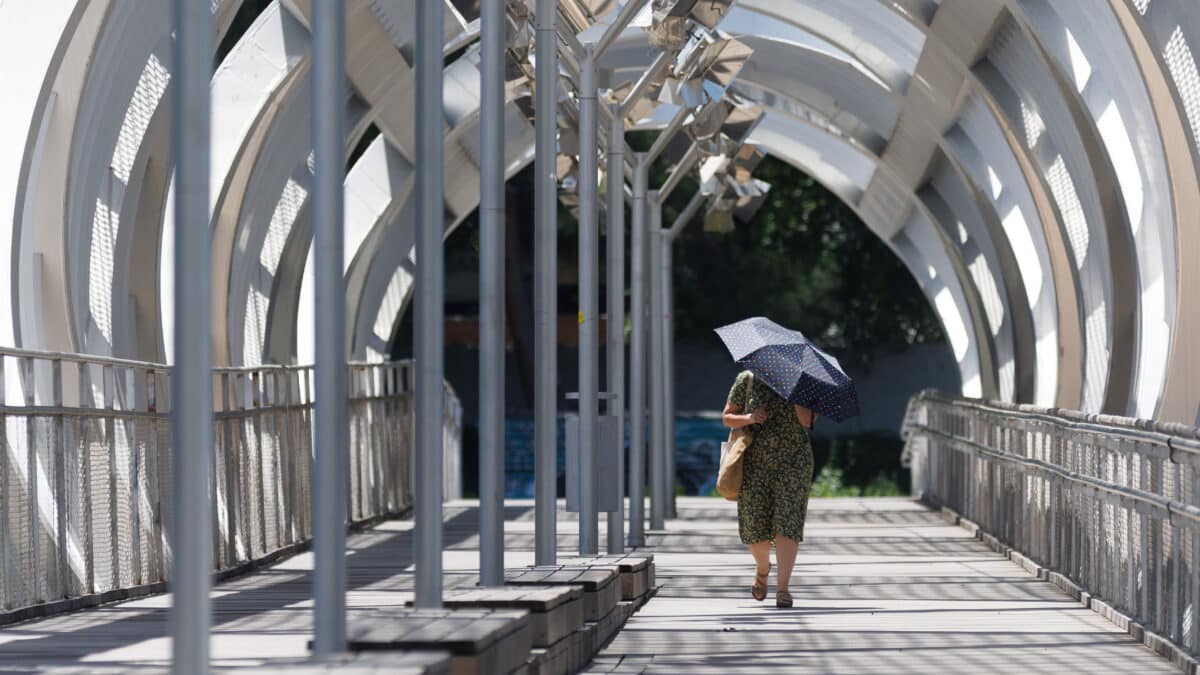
880,586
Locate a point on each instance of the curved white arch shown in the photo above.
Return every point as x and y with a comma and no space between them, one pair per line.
1041,157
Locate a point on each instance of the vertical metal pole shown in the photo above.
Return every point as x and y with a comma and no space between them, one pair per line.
668,367
545,434
191,400
637,356
329,480
491,297
430,394
589,300
616,315
658,469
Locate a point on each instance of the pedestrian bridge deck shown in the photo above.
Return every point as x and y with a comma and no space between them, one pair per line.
880,585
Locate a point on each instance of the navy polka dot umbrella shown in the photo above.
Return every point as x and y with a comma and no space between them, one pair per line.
794,367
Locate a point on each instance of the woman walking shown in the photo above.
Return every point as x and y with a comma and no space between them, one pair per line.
777,477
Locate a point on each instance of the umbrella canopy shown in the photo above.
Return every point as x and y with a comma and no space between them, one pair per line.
792,366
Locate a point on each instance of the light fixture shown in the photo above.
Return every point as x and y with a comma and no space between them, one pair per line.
669,27
718,216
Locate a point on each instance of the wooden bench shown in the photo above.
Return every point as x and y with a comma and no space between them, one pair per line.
480,641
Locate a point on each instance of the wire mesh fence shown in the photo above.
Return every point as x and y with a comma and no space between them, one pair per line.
85,469
1110,503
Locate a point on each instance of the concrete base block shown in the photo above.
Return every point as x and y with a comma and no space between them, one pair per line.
480,641
601,584
554,611
636,570
398,663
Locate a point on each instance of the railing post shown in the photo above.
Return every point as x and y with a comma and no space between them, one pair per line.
89,550
57,454
110,438
31,461
1194,536
5,527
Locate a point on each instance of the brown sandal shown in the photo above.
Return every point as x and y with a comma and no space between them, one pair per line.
783,599
759,590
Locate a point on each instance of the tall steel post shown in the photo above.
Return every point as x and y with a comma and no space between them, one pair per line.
615,283
430,287
658,469
331,420
491,296
545,275
191,383
637,356
589,300
670,236
668,368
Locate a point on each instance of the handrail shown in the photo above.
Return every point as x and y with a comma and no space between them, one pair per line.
1150,500
1110,503
1098,422
88,359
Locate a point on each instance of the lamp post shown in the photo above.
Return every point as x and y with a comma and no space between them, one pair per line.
589,287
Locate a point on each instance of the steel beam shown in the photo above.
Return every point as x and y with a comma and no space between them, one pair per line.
614,30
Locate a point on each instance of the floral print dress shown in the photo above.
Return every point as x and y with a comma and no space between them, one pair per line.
777,470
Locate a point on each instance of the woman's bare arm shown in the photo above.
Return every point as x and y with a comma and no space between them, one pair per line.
804,416
733,417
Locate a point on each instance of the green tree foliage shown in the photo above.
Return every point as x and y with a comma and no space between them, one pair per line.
806,261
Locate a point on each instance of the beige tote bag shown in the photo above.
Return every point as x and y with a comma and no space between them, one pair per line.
729,476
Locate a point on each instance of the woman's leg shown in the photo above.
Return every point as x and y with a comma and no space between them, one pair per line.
762,556
785,554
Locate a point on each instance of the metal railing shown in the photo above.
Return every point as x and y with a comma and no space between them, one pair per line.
85,469
1110,503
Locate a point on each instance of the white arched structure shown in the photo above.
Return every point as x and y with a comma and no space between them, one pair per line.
1034,164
